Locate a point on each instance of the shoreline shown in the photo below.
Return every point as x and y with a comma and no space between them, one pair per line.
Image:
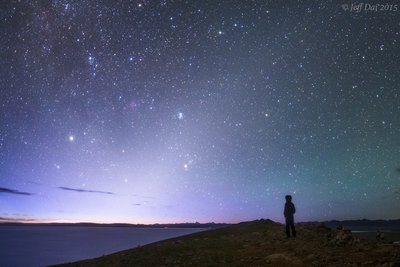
390,237
255,243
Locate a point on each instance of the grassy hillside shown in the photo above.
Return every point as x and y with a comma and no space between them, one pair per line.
257,243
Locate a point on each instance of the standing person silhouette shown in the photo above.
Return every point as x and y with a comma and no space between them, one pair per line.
289,218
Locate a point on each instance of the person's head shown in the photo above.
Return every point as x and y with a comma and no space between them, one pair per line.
288,198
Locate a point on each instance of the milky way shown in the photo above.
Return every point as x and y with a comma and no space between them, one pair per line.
174,111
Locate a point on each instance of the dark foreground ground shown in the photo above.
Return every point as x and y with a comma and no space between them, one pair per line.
258,243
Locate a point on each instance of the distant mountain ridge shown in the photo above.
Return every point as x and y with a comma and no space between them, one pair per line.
352,224
393,224
156,225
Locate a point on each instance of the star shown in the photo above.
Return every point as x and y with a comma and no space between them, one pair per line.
230,100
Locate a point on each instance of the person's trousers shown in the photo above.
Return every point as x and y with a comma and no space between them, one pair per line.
290,226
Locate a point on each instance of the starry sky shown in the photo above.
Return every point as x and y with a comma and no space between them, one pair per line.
182,111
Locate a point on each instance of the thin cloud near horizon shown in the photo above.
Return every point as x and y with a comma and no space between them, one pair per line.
85,190
13,191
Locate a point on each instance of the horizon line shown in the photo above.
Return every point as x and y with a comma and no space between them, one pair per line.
37,222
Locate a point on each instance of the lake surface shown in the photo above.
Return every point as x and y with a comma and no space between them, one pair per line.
369,232
45,245
390,235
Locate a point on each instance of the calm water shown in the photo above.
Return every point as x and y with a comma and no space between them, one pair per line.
391,234
46,245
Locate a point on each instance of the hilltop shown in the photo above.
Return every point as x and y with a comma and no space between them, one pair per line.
257,243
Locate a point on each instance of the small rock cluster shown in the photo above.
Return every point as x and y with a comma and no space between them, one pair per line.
380,237
344,238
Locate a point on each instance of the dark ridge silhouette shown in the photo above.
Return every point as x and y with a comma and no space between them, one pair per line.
33,222
15,221
12,191
354,224
85,191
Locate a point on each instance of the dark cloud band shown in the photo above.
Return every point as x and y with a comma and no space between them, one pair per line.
12,191
85,191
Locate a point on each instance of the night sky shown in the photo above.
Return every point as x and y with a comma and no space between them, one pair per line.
182,111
